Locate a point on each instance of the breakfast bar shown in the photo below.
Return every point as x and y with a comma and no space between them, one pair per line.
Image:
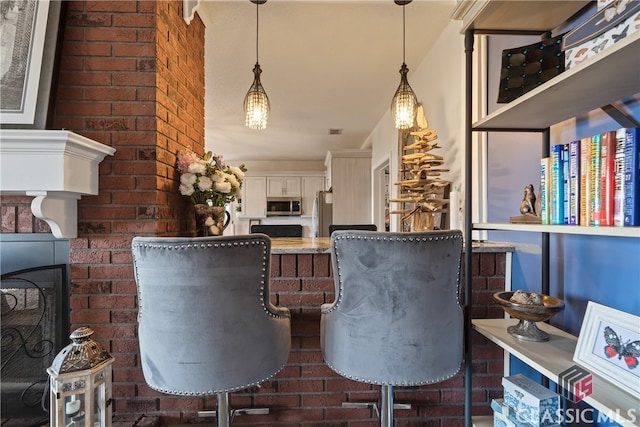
300,245
319,245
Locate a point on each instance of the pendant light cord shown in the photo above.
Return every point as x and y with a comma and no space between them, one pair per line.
257,28
403,34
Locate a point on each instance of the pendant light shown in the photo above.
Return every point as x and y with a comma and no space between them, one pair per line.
405,102
256,102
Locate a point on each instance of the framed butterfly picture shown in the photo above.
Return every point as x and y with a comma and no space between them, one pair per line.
609,346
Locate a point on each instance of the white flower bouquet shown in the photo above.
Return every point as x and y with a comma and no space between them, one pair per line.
208,180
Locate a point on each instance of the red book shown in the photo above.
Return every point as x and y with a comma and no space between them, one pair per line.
607,177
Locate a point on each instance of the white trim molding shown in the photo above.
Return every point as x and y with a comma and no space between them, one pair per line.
189,8
55,166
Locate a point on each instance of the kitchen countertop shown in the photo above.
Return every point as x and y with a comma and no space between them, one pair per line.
300,245
321,245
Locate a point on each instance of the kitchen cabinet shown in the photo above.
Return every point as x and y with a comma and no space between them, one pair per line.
283,186
254,197
310,187
575,92
256,190
349,174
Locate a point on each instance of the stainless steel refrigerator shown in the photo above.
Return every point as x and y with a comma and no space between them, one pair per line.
322,214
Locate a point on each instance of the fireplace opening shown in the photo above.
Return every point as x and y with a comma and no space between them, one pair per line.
34,326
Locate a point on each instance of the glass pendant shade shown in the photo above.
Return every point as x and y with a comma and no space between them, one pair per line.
404,103
256,103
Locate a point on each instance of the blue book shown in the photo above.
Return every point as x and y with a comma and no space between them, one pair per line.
574,182
545,170
632,177
556,189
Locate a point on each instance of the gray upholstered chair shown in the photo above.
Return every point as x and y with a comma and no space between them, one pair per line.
335,227
396,319
205,323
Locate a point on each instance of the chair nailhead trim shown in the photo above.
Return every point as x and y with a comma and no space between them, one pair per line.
214,391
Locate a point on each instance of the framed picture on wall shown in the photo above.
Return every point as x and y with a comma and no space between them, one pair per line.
609,346
29,31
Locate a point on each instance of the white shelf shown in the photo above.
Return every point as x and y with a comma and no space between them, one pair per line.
561,229
483,421
613,74
520,15
552,357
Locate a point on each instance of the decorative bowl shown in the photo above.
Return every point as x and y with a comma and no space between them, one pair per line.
528,315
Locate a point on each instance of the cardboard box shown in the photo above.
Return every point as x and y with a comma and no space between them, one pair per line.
612,22
530,402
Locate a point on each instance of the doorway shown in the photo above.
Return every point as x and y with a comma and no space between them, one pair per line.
381,196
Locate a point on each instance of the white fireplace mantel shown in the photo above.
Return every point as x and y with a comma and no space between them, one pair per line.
55,166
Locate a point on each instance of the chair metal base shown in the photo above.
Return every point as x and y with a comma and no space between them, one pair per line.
225,415
385,412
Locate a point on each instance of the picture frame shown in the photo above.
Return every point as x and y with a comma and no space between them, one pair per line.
609,346
31,32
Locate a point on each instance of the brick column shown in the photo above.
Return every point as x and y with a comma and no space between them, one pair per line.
131,76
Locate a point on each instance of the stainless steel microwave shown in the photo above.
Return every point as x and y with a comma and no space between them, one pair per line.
284,206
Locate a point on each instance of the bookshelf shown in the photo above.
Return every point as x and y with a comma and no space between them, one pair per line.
571,93
561,229
552,357
602,80
525,15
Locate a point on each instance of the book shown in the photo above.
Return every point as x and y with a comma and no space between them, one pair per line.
632,177
607,171
574,182
618,198
564,160
585,187
594,178
545,167
556,187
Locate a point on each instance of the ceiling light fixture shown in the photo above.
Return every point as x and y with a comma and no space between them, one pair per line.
404,103
256,102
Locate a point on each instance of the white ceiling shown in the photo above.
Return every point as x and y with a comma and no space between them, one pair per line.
326,65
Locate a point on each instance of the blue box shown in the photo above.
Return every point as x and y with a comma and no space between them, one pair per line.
503,416
499,420
530,402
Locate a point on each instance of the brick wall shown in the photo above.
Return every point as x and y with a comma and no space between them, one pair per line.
122,83
16,216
